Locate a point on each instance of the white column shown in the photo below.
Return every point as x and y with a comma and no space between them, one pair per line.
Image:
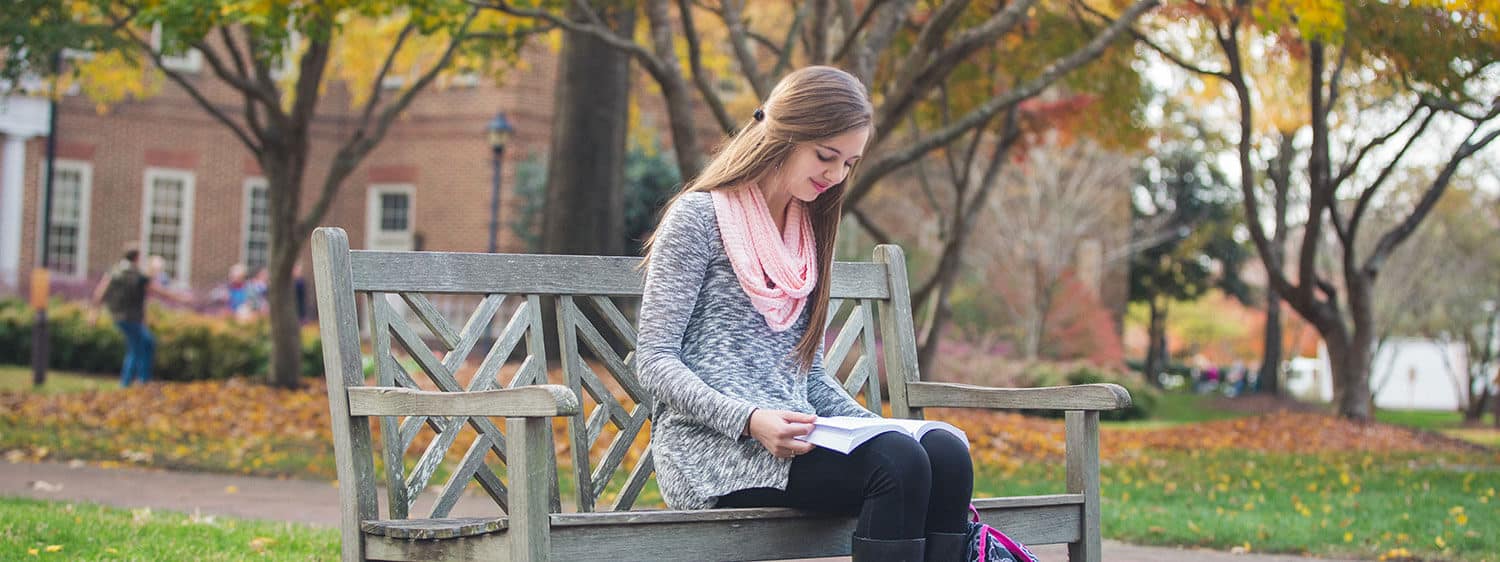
12,196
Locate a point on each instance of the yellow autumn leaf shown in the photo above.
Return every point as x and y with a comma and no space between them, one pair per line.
260,544
53,548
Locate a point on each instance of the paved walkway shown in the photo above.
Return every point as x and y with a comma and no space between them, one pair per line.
316,502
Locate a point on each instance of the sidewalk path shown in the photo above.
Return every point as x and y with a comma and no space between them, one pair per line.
316,502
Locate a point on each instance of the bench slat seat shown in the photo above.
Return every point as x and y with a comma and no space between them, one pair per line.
471,526
420,389
719,534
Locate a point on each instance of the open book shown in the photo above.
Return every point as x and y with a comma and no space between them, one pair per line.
844,433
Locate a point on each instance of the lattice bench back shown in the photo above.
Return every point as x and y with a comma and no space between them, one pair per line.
412,344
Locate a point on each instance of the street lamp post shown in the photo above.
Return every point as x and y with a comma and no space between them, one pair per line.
499,131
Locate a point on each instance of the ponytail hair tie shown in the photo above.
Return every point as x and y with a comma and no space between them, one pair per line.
760,114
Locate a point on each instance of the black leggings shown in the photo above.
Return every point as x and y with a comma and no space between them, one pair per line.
900,489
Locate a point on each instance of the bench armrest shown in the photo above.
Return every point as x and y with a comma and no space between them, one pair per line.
533,401
1076,397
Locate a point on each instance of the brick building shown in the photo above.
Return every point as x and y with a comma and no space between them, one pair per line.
163,172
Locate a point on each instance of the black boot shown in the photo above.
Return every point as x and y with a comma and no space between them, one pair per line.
876,550
946,547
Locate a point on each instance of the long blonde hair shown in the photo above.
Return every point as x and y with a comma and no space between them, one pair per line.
810,104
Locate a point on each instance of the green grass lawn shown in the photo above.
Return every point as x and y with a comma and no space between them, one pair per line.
1427,419
18,377
42,530
1176,408
1360,505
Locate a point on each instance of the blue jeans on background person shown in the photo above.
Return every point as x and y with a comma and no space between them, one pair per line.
140,352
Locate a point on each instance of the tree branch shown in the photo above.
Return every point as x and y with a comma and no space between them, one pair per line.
734,20
864,55
229,77
674,89
852,33
252,115
1401,232
929,63
1333,83
1350,167
313,63
1365,197
192,91
891,161
789,43
648,61
1451,107
880,236
1172,57
376,88
695,62
360,143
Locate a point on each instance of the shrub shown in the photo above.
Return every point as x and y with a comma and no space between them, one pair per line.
189,346
1143,398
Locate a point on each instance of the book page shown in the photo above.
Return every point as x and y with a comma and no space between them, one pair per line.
844,433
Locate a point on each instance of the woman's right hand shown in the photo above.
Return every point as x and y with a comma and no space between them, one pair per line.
778,430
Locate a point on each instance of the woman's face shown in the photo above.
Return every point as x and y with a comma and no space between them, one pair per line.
816,166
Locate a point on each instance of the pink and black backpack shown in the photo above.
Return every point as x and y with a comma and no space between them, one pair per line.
988,544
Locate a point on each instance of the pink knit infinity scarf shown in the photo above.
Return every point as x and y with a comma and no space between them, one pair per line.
777,269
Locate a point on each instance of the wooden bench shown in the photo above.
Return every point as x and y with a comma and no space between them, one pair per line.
517,466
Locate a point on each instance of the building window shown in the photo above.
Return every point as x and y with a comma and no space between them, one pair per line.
67,226
167,225
257,249
394,211
178,58
390,218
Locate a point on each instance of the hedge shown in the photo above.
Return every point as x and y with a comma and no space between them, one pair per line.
189,346
1143,398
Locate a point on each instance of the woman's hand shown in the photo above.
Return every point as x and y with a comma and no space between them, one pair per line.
778,430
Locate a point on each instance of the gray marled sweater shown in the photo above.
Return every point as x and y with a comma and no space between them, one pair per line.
710,359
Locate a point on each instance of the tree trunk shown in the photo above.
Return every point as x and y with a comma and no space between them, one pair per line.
1495,410
286,329
584,212
585,207
284,171
1350,361
947,276
1269,377
1474,412
1156,344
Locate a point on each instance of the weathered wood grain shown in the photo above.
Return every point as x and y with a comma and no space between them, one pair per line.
538,400
1077,397
338,324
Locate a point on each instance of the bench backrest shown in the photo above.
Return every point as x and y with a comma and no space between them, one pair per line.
594,339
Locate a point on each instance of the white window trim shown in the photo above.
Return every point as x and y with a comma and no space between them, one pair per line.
393,82
190,62
250,185
287,63
372,208
185,241
85,198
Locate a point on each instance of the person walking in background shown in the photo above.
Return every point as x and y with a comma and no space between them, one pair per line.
124,291
237,293
299,290
255,291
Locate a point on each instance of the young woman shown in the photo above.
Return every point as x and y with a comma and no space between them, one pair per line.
731,336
